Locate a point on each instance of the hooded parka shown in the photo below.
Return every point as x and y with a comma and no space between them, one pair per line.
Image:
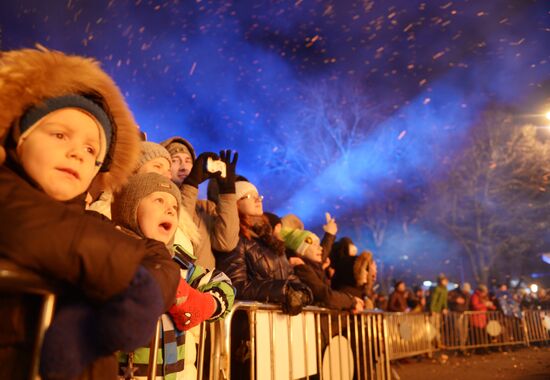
59,240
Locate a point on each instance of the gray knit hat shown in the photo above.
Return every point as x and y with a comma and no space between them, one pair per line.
150,151
126,202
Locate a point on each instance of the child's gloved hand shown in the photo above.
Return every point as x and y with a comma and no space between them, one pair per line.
191,307
71,343
128,320
297,295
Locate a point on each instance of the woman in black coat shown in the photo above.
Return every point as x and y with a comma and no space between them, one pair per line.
258,267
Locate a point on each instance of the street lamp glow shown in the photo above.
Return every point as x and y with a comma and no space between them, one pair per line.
534,288
548,115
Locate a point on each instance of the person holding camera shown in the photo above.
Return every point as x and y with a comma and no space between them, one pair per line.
218,223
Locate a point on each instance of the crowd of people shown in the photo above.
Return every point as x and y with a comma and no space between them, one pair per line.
115,221
462,298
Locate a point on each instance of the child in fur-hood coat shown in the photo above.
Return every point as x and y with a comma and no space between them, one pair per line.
63,124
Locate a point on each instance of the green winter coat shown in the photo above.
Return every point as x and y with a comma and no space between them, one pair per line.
438,300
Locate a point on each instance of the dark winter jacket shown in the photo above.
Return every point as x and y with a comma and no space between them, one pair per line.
313,275
397,302
256,271
455,306
348,276
327,243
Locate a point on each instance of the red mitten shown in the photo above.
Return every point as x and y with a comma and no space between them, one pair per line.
191,307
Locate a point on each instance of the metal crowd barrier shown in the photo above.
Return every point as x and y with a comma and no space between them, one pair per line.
537,326
411,334
478,329
14,281
258,341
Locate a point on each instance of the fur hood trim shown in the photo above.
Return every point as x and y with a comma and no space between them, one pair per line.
360,265
29,76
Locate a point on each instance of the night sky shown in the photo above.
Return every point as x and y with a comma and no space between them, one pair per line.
331,104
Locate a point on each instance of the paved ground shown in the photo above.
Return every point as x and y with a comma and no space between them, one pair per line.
520,364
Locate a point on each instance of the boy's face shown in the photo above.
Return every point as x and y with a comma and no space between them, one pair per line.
157,216
352,250
251,204
159,165
314,251
60,154
182,163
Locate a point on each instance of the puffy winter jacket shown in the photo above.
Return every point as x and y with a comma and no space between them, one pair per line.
313,275
256,271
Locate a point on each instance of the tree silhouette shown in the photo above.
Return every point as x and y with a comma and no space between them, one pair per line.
497,192
328,122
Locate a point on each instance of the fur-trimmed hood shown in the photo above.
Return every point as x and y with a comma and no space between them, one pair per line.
360,265
29,76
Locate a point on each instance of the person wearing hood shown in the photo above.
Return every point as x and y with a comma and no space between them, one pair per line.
354,274
217,223
64,124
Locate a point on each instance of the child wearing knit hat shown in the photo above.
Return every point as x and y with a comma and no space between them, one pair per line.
64,124
153,158
148,207
303,243
308,267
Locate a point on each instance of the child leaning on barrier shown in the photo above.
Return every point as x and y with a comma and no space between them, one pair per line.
148,207
64,124
306,256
